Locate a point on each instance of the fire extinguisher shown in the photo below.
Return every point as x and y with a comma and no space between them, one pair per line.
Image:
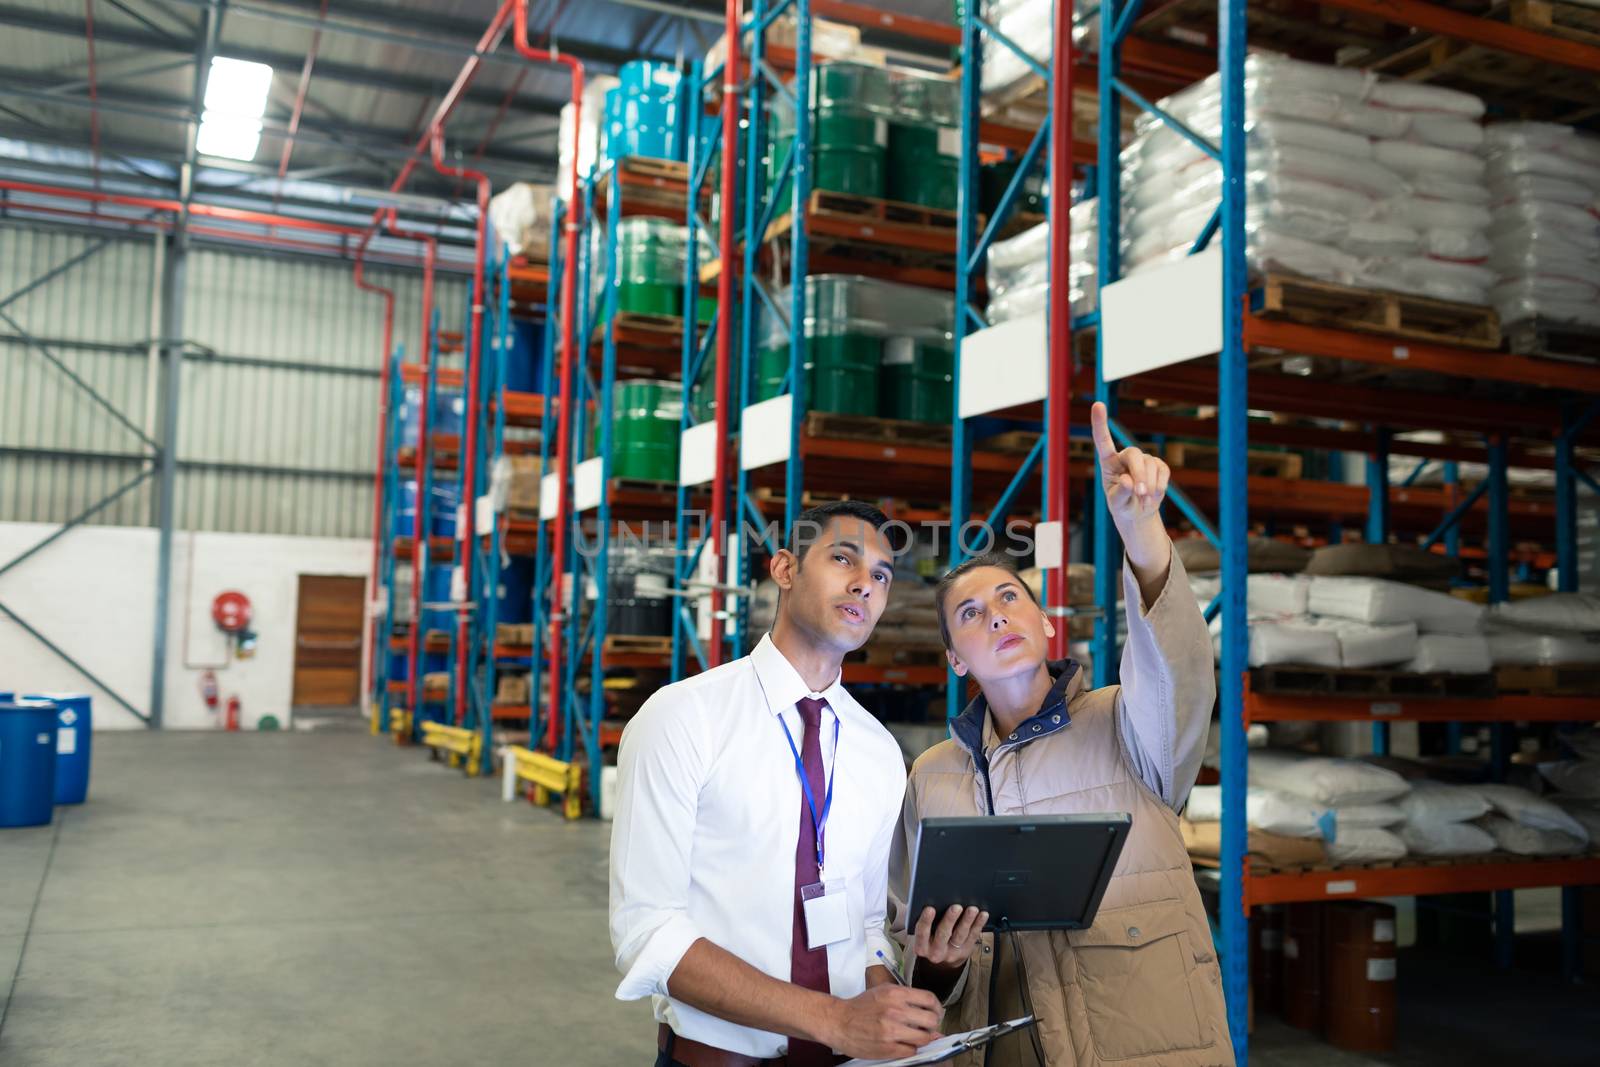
231,719
208,690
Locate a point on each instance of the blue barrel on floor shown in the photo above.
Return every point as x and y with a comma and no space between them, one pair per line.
27,762
74,737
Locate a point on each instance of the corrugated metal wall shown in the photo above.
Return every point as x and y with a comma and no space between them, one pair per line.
277,421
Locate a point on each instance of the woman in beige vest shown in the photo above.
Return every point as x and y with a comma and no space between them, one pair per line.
1140,987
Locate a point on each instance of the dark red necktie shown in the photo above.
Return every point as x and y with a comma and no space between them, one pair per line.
807,967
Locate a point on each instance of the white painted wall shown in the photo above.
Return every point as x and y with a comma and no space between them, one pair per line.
93,594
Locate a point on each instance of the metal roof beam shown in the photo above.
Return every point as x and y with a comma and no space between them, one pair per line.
385,143
346,73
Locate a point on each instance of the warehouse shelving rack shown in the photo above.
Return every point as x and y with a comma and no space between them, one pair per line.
385,685
427,651
1236,392
496,405
762,71
618,351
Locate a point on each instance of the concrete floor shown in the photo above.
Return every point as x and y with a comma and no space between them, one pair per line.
325,898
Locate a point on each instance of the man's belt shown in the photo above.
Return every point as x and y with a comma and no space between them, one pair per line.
694,1054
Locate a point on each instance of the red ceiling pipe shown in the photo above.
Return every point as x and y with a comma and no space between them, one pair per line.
469,443
300,95
420,534
377,477
1058,428
569,291
270,240
731,96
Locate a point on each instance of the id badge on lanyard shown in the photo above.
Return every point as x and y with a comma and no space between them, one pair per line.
825,903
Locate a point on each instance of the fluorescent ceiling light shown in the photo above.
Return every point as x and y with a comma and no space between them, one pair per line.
236,98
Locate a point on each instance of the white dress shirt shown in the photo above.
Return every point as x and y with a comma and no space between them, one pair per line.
707,820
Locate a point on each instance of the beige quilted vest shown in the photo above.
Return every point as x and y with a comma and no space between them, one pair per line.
1140,987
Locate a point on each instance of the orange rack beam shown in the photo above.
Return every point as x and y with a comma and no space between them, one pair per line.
1399,354
1340,883
1436,18
413,374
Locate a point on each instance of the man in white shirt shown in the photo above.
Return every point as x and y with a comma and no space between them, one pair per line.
756,804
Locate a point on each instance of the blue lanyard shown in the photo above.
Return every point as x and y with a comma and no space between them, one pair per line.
819,823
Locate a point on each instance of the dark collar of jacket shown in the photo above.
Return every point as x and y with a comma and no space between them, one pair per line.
1051,716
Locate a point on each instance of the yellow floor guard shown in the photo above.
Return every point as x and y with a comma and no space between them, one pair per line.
547,775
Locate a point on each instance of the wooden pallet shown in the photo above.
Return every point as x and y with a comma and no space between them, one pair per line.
1516,85
1261,462
645,330
1290,680
869,209
1554,340
1551,681
638,644
1413,318
1572,21
879,431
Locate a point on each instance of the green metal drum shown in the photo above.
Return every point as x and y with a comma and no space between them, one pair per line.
841,372
651,254
645,430
850,105
917,381
993,179
924,164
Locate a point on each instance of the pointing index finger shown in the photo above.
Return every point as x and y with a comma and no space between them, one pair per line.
1101,429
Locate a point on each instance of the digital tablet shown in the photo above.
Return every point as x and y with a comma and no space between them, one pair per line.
1029,872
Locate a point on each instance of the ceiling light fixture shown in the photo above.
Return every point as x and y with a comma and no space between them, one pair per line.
236,98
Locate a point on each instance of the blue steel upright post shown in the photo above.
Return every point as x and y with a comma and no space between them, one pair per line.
1115,19
966,218
1232,520
602,555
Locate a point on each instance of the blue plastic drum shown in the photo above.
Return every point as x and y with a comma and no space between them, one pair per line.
27,762
525,358
650,112
74,735
405,520
443,501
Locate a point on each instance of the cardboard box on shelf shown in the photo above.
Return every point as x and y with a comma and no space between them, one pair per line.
831,40
512,689
522,493
514,633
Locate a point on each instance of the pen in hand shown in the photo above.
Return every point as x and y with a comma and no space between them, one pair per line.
894,972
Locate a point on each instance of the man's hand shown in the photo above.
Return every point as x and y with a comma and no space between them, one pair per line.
1135,485
949,943
884,1023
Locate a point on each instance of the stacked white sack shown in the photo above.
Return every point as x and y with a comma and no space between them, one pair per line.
1544,181
1438,820
1562,629
1027,22
1530,825
1315,190
1358,795
1438,225
1019,268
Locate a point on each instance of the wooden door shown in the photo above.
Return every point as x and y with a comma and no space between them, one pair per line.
327,641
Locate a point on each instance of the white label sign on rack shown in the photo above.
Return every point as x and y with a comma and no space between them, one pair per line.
1161,316
483,518
765,438
1047,545
697,454
1004,366
549,490
588,484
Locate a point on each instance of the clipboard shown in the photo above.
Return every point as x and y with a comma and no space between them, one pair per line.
949,1047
